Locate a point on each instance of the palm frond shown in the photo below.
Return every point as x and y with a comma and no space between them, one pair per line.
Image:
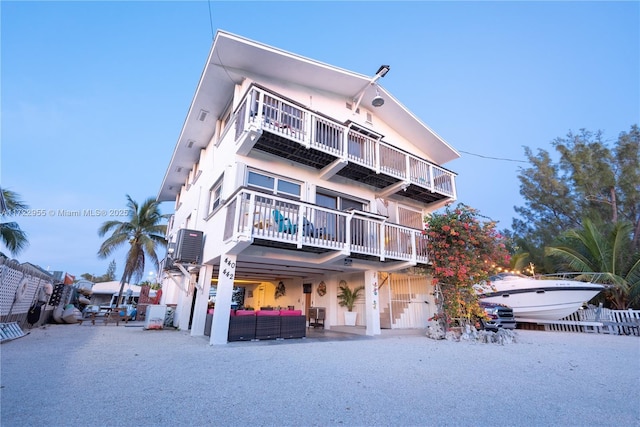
108,226
13,237
10,202
142,231
571,259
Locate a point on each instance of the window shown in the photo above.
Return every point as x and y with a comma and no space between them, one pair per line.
215,196
332,223
288,187
262,181
338,201
275,184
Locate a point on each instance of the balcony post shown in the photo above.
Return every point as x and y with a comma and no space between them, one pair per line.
414,249
308,125
432,184
345,144
237,215
347,238
453,186
407,168
383,238
251,212
377,151
260,115
300,231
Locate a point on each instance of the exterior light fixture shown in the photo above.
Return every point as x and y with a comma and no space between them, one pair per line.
377,101
383,70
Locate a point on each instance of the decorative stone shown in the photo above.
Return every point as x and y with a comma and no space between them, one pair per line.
435,330
468,333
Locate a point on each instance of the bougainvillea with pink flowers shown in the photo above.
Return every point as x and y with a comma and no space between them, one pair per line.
464,250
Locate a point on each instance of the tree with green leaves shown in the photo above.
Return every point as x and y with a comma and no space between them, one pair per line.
144,234
605,249
11,235
590,180
109,276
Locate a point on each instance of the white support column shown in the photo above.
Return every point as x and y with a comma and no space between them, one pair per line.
202,299
182,288
372,301
183,310
220,325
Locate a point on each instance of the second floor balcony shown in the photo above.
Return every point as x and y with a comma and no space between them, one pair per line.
268,220
269,123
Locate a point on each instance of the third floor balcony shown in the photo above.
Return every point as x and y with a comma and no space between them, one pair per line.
267,122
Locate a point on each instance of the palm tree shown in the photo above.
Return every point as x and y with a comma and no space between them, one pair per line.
10,233
144,234
593,249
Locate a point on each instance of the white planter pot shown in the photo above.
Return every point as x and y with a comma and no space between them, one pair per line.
350,318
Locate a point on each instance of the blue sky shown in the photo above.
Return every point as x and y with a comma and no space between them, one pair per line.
94,94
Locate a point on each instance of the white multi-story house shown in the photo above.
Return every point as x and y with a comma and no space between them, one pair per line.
301,176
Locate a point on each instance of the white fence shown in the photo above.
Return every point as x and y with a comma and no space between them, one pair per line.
598,320
20,289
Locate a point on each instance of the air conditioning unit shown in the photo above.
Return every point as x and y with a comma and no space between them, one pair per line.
188,246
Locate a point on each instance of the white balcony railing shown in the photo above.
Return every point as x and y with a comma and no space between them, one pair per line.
264,110
256,215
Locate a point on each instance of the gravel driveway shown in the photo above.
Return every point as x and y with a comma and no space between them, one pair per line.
83,375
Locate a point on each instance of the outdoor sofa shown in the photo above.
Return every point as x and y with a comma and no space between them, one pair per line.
247,325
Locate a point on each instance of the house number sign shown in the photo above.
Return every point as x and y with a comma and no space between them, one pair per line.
232,266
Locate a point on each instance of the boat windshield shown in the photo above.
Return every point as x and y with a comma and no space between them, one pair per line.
506,276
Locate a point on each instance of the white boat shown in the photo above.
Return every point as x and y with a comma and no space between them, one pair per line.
71,314
546,297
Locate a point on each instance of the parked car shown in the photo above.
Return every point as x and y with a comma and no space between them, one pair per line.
500,316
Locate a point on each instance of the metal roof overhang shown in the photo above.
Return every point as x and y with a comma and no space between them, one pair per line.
232,57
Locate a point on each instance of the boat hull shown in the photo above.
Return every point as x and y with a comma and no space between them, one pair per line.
541,299
547,307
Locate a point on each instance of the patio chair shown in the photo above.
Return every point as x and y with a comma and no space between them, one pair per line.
267,324
242,326
284,224
293,324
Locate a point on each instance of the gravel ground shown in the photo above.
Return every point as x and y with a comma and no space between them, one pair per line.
73,375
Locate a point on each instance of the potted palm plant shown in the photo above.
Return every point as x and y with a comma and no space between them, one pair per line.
347,298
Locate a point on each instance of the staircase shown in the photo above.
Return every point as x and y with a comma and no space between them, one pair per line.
395,310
